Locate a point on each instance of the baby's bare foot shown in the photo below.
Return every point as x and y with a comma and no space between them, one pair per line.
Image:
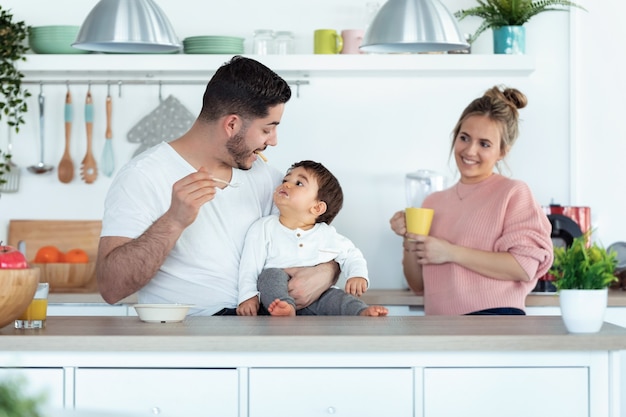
374,311
281,308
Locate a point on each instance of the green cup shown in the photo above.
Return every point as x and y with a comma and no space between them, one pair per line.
327,41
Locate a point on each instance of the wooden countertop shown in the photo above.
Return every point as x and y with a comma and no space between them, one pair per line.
310,334
617,298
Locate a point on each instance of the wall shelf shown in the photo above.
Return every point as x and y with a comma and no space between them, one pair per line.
164,66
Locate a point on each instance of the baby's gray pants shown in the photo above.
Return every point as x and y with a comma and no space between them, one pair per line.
272,284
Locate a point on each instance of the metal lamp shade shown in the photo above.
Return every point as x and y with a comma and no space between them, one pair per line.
127,26
405,26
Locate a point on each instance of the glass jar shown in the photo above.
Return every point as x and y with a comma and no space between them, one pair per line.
284,43
263,42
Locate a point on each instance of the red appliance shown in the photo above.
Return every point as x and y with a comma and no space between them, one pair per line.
568,222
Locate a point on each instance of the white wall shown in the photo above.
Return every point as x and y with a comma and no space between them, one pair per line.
370,131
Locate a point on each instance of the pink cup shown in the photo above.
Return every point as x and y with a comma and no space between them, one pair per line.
352,39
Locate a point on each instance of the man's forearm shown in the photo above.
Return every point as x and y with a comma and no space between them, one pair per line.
125,266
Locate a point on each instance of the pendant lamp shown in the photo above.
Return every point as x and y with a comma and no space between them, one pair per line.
405,26
127,26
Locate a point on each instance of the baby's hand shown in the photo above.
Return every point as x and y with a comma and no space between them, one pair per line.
356,286
250,307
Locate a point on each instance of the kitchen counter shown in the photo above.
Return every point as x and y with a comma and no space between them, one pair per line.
617,298
244,366
311,334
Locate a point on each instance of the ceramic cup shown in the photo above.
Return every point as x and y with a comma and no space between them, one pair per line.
418,220
352,39
35,315
327,41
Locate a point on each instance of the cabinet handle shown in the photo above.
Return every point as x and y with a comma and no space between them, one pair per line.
156,410
330,410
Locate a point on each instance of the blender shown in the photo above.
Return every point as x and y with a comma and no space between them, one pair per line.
420,184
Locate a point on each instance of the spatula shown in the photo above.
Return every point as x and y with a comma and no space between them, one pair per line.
65,170
108,160
89,167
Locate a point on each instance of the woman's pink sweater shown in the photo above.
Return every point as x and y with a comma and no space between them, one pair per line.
498,215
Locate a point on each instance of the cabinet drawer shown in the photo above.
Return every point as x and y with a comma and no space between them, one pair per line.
345,392
39,381
511,392
166,392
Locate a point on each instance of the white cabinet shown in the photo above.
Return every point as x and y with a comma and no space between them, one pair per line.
48,382
511,392
163,392
331,391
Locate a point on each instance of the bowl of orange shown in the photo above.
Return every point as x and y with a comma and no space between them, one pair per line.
64,270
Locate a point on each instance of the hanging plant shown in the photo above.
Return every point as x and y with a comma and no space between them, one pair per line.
12,96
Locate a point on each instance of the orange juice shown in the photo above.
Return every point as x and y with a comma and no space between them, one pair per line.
36,310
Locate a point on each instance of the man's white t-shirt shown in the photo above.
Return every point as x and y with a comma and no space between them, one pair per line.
203,267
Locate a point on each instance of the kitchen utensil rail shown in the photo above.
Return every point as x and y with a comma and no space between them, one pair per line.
120,83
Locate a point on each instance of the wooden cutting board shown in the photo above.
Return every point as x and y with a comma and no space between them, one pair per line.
64,234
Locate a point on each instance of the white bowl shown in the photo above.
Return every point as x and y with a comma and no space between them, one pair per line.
162,313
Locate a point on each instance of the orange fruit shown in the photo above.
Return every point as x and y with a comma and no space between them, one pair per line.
48,254
76,256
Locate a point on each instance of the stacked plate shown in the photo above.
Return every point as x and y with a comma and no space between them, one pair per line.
53,39
213,45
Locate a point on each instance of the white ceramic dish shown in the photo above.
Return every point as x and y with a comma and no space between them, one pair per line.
162,313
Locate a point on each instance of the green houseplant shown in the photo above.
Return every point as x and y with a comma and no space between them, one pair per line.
12,96
497,14
582,274
14,403
582,267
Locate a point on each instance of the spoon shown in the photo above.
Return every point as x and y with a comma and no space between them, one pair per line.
66,166
89,167
231,184
41,167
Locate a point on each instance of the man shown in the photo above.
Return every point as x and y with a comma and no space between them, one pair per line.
172,231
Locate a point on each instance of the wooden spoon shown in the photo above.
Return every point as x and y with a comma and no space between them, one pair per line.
89,167
66,166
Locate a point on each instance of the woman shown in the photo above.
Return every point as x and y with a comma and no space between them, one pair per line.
489,241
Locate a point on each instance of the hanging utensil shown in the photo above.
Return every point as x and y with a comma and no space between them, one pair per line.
12,174
89,167
41,167
66,165
108,160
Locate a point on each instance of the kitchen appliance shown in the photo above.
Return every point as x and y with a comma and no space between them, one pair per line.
568,222
420,184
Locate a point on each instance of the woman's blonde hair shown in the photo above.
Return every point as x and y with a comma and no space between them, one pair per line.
500,104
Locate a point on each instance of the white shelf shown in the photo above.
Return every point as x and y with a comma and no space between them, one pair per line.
96,66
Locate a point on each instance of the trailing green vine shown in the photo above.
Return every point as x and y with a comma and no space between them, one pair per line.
13,105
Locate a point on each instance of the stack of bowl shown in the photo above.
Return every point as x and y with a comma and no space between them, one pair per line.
213,45
53,40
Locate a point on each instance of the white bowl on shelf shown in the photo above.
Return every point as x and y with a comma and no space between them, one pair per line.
162,313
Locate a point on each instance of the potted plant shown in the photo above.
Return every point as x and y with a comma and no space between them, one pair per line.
582,274
507,17
12,96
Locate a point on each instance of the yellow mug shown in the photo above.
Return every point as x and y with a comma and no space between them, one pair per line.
418,220
327,41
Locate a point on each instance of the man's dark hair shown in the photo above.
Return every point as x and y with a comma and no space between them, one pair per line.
244,87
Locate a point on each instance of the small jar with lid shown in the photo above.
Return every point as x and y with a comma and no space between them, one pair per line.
263,42
284,42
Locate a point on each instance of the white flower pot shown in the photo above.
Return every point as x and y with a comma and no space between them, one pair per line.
583,310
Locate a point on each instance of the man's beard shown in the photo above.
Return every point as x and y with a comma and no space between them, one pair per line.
237,148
